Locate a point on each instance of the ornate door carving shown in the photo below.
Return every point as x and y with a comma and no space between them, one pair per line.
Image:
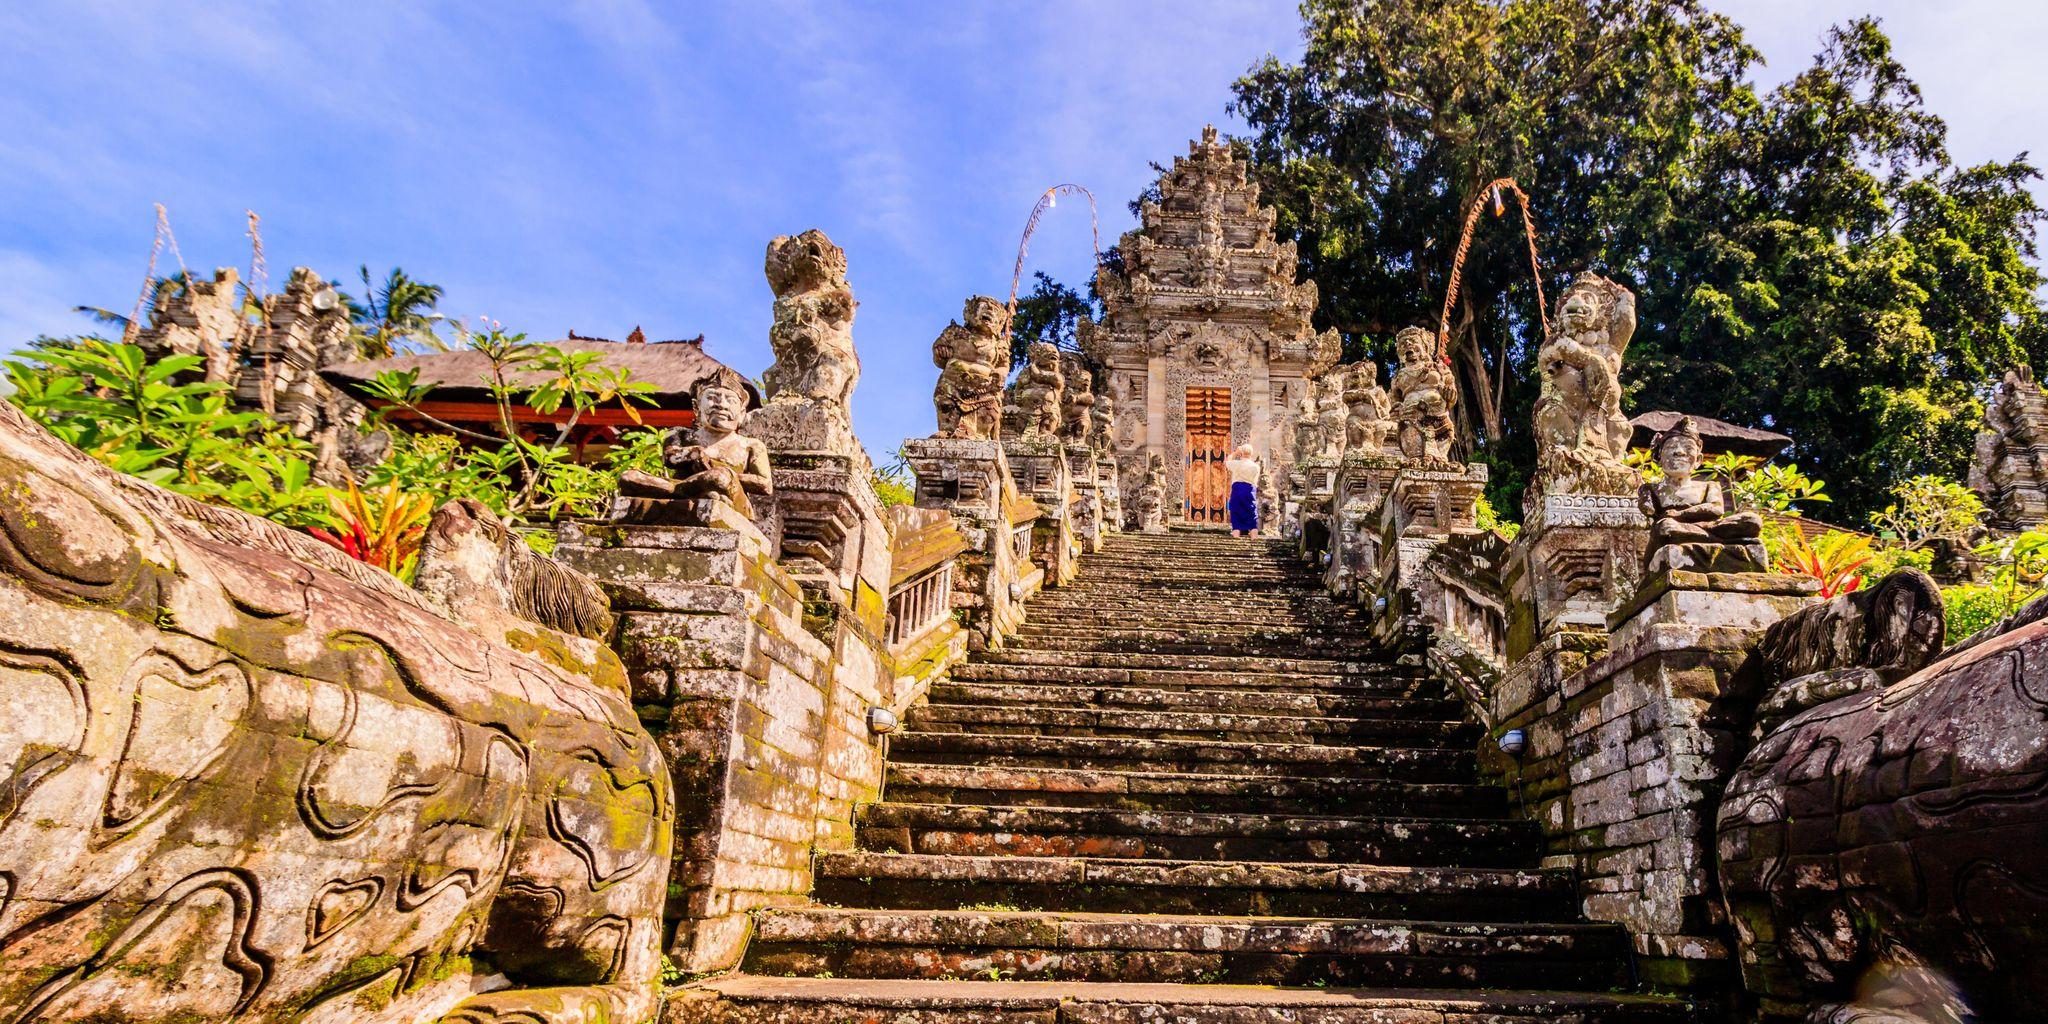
1208,444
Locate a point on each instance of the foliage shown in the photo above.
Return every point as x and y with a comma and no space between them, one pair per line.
1729,466
1489,519
1969,607
109,400
1778,488
1927,508
1644,461
1050,312
383,527
1836,560
530,479
393,314
1886,559
2017,567
1806,258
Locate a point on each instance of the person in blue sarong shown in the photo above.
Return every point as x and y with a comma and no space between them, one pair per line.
1244,491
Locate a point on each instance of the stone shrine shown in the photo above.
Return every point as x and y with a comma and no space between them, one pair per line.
1206,336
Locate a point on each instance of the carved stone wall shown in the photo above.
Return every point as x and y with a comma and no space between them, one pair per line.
243,777
2011,467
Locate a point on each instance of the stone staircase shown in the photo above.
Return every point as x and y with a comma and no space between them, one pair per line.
1190,791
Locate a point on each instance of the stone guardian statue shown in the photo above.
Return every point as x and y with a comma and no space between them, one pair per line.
1424,395
712,461
972,357
1581,435
1691,526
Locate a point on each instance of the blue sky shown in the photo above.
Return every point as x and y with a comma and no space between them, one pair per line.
596,164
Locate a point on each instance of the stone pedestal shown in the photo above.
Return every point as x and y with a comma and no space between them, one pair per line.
1364,480
760,725
1087,501
1629,740
1314,494
971,479
1040,469
1578,558
1422,508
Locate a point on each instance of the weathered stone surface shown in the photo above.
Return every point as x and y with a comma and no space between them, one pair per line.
815,368
1881,852
250,778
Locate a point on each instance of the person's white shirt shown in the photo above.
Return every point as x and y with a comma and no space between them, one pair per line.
1243,471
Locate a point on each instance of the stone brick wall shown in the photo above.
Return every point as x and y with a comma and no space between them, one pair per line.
761,721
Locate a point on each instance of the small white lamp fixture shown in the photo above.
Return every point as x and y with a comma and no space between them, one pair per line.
1513,742
881,721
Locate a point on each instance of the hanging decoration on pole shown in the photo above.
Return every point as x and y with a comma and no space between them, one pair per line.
1491,194
1047,201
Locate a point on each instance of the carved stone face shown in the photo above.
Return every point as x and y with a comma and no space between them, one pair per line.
1579,311
1044,356
720,410
985,315
1678,457
1413,346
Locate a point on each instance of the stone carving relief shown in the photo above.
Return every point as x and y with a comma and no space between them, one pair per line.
1424,395
1581,435
246,778
973,357
1036,396
1691,524
713,463
1151,501
1879,852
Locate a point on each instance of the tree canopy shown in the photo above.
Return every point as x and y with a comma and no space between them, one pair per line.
1807,259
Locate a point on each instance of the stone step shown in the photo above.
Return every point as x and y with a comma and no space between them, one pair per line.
753,999
1217,757
1237,702
932,882
1044,946
982,831
1040,720
1082,670
1191,643
914,783
1253,664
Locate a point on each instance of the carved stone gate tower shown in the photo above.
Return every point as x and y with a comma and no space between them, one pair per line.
1208,319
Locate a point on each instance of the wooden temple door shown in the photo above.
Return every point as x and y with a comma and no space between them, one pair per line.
1208,444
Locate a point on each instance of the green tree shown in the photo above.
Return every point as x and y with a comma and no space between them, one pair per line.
390,314
1051,311
1807,259
1400,111
1831,274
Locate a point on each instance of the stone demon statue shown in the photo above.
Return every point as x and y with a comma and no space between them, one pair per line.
1037,395
812,336
1581,435
1424,395
1077,410
1331,415
1881,846
973,358
1369,422
245,778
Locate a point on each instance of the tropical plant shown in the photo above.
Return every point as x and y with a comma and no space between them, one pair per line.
1927,508
1644,461
1729,466
1489,518
1778,488
544,479
383,527
2017,566
1836,560
1969,607
140,417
